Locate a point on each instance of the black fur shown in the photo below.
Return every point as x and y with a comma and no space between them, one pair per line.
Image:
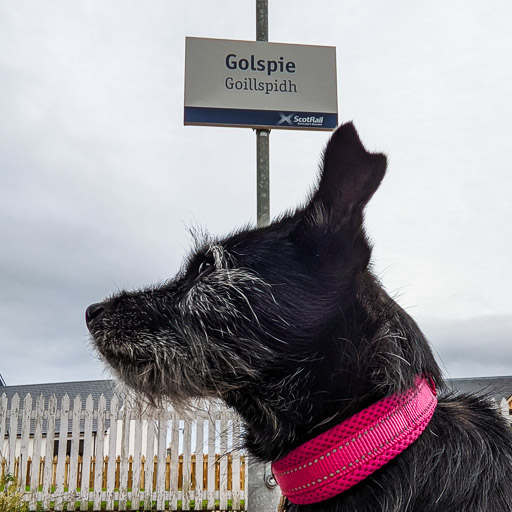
289,326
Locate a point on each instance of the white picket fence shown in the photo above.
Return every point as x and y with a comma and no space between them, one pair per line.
129,461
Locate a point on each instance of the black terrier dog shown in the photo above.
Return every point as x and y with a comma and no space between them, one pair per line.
336,383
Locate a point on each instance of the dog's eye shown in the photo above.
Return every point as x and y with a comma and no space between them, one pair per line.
205,267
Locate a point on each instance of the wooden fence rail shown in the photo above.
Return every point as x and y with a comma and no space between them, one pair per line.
147,462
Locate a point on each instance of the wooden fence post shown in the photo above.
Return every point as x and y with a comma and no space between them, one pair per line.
3,424
161,461
125,444
50,466
35,467
149,467
98,455
212,420
112,478
61,475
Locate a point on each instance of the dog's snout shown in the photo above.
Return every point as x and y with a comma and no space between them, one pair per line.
93,311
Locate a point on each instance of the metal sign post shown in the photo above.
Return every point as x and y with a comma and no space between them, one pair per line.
262,136
267,497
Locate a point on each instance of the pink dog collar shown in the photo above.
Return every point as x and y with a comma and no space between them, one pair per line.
346,454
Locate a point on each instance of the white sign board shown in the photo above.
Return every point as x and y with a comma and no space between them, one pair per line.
260,85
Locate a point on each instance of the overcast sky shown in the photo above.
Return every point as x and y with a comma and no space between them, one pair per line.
99,179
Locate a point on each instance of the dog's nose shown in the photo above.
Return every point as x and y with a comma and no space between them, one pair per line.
93,311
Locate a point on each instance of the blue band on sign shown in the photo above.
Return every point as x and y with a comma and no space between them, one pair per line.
260,118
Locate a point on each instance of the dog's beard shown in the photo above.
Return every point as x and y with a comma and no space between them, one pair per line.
150,364
203,348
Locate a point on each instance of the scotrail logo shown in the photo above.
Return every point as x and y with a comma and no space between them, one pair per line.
299,120
285,119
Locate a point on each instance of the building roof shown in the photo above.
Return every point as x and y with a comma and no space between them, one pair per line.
83,388
96,388
496,387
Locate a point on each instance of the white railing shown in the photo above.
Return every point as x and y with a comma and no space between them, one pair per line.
121,458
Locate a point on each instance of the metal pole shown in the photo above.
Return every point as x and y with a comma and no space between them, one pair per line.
262,136
264,495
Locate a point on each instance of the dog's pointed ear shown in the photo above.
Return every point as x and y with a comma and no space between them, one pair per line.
350,176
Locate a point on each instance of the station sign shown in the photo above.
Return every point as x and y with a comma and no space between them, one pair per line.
260,85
